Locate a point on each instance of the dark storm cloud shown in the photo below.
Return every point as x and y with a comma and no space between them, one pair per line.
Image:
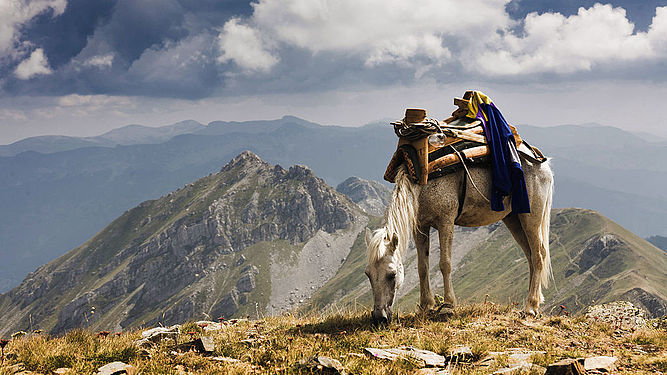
65,36
153,47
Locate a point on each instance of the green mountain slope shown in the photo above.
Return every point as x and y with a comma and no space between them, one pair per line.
594,261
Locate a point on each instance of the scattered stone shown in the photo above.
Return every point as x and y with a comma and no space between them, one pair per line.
114,368
240,260
423,357
622,315
601,363
208,326
567,367
205,344
460,353
324,364
158,334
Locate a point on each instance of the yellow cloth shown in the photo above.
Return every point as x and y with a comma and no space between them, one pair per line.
473,107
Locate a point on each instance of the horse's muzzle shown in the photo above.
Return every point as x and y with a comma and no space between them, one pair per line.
381,316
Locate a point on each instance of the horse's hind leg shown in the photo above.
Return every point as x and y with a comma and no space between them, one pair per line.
513,223
446,234
426,300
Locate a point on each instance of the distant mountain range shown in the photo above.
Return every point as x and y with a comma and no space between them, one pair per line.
56,192
257,239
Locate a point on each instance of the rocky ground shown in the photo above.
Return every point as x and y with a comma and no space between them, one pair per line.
472,339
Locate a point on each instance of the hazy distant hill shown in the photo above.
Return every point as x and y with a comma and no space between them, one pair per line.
127,135
54,201
658,241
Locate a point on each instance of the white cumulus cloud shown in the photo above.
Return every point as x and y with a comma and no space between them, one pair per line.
245,46
551,42
14,13
376,31
34,65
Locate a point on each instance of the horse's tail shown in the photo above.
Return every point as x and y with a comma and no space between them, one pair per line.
401,214
544,236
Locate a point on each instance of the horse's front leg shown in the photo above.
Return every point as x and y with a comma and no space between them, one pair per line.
446,233
426,300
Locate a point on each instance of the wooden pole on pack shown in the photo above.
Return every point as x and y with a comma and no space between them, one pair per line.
450,159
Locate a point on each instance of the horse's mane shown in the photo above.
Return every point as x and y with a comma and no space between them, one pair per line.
400,218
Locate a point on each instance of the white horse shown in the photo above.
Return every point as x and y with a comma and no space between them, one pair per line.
414,209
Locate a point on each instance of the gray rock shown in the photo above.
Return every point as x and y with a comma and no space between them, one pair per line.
228,305
157,335
601,363
205,344
114,368
460,353
246,283
424,358
567,367
324,364
370,196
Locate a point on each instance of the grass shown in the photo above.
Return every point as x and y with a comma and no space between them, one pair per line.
277,345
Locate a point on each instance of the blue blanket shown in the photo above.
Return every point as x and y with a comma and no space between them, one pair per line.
507,174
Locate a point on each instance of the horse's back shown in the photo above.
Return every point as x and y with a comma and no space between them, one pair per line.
440,198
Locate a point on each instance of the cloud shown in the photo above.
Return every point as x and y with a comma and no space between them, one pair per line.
431,35
553,43
375,31
207,48
33,66
15,13
243,45
100,61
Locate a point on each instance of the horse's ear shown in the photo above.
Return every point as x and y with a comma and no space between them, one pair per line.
393,244
369,237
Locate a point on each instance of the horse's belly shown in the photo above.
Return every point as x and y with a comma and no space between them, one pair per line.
478,213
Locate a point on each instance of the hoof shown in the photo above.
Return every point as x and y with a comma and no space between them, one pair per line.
445,311
529,313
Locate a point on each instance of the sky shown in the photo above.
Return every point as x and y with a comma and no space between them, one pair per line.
83,67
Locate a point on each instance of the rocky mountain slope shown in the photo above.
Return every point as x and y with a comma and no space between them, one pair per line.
252,239
370,196
594,261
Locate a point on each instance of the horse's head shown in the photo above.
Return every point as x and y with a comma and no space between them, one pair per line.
384,271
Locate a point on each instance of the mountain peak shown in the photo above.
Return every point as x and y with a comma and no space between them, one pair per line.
245,158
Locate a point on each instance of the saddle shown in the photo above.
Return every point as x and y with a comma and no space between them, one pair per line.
430,148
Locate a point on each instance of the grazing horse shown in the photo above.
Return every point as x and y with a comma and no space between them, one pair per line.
414,209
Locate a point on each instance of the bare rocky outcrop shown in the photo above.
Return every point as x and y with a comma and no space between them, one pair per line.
370,196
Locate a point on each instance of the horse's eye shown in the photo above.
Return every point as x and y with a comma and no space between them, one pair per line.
391,276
